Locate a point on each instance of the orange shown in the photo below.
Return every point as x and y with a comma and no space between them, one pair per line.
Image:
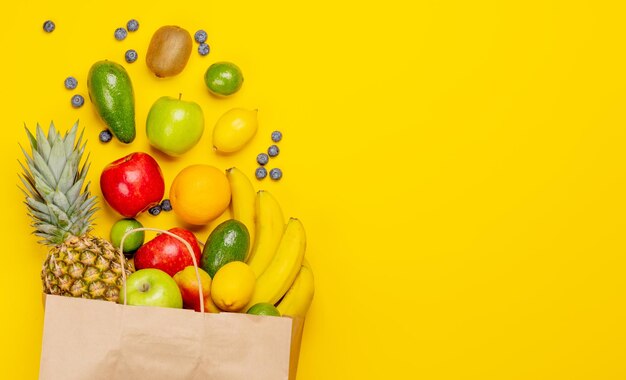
200,193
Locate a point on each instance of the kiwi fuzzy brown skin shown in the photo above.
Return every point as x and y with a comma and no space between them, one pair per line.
169,51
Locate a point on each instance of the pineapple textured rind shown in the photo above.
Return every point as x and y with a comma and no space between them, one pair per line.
86,267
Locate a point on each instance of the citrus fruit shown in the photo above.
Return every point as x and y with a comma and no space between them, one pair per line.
223,78
264,308
133,241
234,129
232,286
199,194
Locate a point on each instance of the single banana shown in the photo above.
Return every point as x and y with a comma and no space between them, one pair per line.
299,297
282,271
242,201
270,224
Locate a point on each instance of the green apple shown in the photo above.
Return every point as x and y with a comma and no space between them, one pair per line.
152,287
174,125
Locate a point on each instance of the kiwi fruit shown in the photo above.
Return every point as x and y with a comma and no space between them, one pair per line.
169,51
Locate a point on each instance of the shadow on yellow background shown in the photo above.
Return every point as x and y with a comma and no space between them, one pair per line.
459,167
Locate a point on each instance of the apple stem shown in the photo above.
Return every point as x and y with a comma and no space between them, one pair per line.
180,95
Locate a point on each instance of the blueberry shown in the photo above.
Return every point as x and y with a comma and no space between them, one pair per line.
156,210
131,55
166,205
203,49
273,151
132,25
260,173
48,26
277,136
77,101
120,34
276,174
200,36
105,136
262,158
71,83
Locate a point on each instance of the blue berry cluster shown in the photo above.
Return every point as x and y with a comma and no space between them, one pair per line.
200,37
131,26
263,158
165,205
121,33
71,83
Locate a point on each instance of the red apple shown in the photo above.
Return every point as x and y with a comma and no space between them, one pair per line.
132,184
167,253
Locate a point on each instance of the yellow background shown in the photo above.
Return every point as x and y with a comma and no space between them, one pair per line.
458,165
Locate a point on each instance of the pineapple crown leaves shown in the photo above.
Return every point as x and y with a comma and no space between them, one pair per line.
52,183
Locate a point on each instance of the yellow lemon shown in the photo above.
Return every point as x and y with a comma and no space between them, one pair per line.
232,286
234,129
200,193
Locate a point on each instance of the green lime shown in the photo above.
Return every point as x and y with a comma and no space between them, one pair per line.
223,78
133,241
264,308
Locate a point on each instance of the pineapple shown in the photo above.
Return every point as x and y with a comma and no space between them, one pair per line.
78,264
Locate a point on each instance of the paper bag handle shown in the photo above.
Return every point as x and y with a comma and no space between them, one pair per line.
187,245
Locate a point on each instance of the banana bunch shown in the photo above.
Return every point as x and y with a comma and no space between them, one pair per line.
276,256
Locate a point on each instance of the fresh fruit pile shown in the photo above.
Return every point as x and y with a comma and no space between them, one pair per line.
252,262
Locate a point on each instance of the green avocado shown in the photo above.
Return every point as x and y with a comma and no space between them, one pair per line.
228,242
111,93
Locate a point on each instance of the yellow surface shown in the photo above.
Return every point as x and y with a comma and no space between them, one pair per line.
459,167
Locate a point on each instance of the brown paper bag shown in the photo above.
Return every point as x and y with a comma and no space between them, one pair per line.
91,340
